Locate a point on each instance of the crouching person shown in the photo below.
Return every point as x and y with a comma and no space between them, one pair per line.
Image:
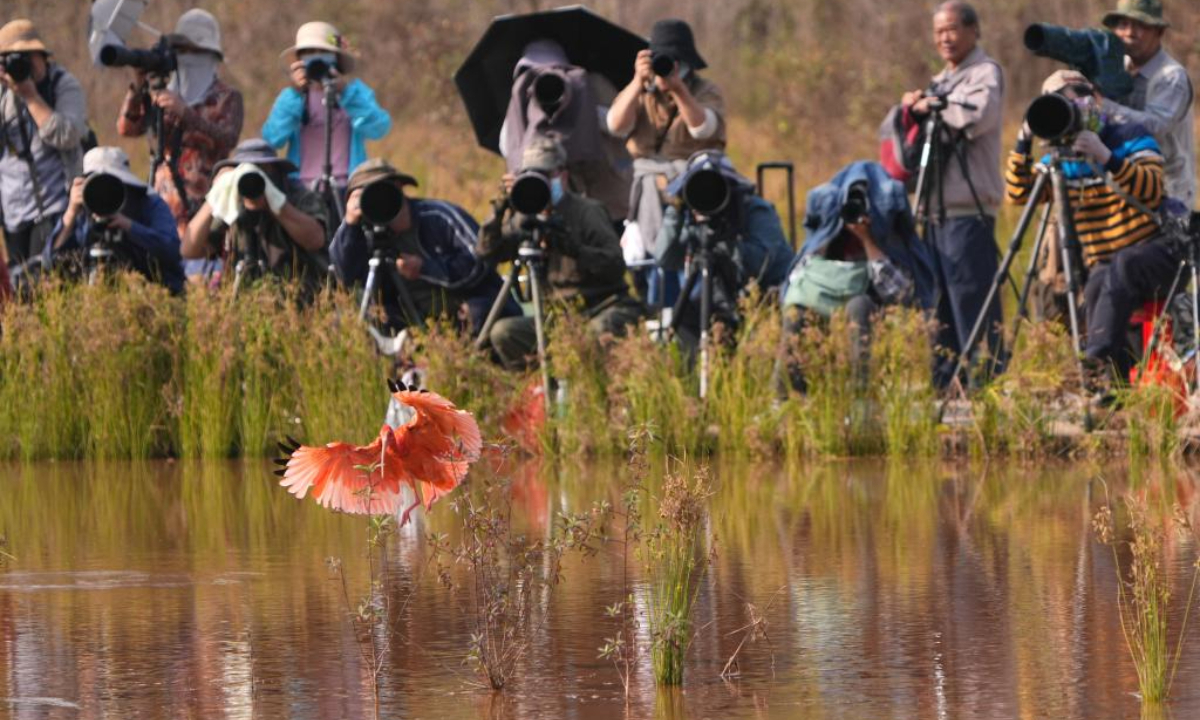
431,244
584,267
716,210
861,254
113,221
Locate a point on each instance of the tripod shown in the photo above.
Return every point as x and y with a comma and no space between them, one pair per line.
250,264
325,185
100,252
532,258
699,270
384,257
1060,207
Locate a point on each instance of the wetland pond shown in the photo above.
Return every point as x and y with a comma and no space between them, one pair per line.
888,590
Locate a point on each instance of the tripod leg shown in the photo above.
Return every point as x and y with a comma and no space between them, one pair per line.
497,307
369,289
705,320
539,320
413,316
1068,246
689,284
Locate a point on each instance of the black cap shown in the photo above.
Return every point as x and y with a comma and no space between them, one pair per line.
674,38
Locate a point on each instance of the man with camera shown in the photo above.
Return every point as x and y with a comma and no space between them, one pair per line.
579,251
298,117
1114,176
965,193
1162,96
746,237
257,215
43,118
113,221
201,116
430,243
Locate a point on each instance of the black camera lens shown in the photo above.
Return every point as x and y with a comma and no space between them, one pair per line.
317,69
103,194
18,66
857,205
662,64
158,60
1053,117
381,202
706,192
550,90
251,186
530,193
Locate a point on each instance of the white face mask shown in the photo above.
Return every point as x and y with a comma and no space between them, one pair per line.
194,75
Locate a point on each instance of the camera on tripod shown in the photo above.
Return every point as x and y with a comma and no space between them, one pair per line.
1099,54
103,195
530,194
319,68
1055,119
157,60
550,90
707,192
18,66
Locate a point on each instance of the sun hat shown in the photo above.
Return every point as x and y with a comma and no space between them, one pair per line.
674,38
376,169
111,161
197,30
322,36
257,152
21,36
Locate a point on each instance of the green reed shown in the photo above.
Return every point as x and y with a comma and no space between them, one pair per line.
577,362
208,374
901,384
1151,424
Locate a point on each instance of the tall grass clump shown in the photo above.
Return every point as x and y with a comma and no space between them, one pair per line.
1151,421
834,415
901,383
675,557
577,361
268,323
651,385
1144,596
208,376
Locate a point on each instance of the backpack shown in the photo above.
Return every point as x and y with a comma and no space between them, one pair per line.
901,140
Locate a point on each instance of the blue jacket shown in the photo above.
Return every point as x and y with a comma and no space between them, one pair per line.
368,121
151,247
446,235
891,219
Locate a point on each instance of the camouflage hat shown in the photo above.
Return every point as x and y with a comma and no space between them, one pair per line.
1149,12
544,154
376,169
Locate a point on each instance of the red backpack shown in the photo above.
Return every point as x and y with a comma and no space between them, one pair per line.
901,140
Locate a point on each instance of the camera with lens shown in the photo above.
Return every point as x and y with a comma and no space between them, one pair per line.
857,206
550,91
381,201
707,192
319,68
18,66
251,186
530,194
1055,118
103,195
158,60
1099,54
662,64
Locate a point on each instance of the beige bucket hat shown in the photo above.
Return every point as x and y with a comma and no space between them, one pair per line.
322,36
21,36
113,161
198,30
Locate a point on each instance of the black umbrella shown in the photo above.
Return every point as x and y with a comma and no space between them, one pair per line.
485,80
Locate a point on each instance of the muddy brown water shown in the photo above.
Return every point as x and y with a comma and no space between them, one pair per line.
891,591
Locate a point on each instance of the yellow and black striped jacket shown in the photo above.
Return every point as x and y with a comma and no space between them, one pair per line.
1104,220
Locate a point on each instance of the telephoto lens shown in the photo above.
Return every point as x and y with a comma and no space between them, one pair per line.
251,186
317,69
857,205
530,193
706,192
158,60
381,201
103,194
550,90
1054,118
18,66
662,64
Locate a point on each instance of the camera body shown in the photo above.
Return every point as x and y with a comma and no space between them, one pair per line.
18,66
857,206
319,68
157,60
662,64
1055,118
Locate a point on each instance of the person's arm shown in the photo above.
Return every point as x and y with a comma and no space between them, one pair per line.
1018,174
893,285
622,116
349,252
366,116
669,247
701,121
156,233
61,127
284,120
1167,102
595,246
132,120
304,230
1141,177
984,92
496,243
196,242
455,265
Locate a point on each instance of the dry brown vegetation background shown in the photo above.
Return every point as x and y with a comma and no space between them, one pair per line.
806,80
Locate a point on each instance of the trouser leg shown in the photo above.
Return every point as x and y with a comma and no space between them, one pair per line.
860,311
515,341
967,263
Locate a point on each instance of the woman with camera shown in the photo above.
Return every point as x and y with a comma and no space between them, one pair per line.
298,118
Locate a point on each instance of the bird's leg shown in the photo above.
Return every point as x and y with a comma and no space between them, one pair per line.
408,511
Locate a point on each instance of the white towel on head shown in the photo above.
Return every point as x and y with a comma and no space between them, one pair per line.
223,196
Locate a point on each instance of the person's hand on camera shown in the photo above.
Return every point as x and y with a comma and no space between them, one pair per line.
138,78
119,221
26,89
672,84
353,208
911,98
170,102
74,202
922,106
862,230
1025,134
643,69
409,266
1089,145
299,75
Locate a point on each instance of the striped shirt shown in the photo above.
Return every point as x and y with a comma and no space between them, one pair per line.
1104,221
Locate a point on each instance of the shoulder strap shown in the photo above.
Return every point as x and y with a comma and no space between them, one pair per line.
1131,200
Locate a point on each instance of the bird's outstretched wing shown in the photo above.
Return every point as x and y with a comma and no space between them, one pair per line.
436,416
344,477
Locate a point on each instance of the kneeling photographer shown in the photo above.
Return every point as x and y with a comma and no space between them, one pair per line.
575,246
861,254
1114,186
259,220
429,243
113,221
716,210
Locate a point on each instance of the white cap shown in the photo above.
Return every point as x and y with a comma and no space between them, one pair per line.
113,161
198,29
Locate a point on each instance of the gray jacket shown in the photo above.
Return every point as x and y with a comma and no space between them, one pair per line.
979,82
1161,102
57,151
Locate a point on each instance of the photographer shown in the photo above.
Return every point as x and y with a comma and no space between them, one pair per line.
201,115
961,222
861,254
748,243
431,243
583,262
43,121
145,236
668,113
1115,183
1162,95
278,221
297,119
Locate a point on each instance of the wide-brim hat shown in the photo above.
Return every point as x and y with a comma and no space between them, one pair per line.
376,169
111,161
1149,12
324,37
674,38
197,29
21,36
257,152
1059,79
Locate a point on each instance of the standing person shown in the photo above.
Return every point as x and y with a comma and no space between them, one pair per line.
297,119
666,119
961,220
1162,95
202,115
43,121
